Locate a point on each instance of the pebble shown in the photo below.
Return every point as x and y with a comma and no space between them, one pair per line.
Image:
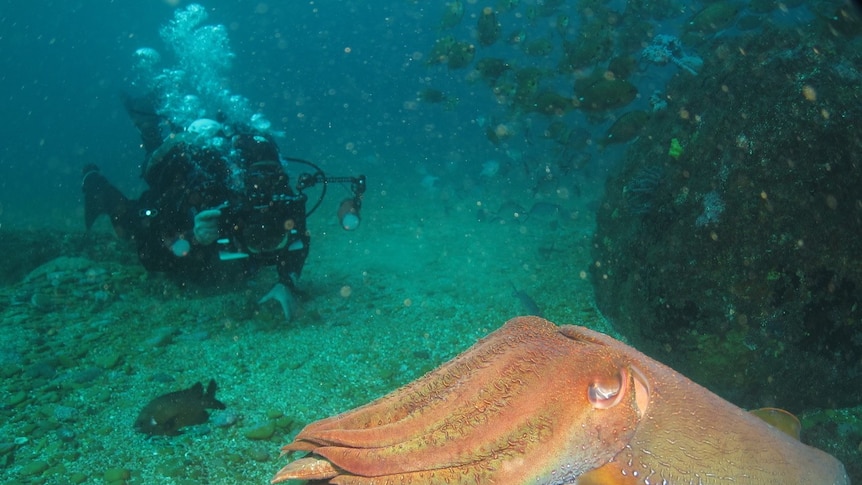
274,413
284,423
34,468
224,419
117,475
258,454
7,447
65,413
16,399
9,370
77,477
261,432
162,337
109,361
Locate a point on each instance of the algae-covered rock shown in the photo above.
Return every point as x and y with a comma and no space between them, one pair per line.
34,468
274,413
110,360
77,477
16,399
284,423
736,260
261,432
114,475
258,454
9,370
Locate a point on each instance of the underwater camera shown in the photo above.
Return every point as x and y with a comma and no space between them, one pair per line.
267,217
271,216
349,208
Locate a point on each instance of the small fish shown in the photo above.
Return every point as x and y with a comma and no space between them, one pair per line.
506,5
487,27
460,55
452,14
527,302
562,24
517,37
166,414
431,95
545,211
626,128
539,47
491,68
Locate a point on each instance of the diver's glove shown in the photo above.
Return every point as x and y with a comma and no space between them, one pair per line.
206,226
284,297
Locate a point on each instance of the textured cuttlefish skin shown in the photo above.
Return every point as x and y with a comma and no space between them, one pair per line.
533,403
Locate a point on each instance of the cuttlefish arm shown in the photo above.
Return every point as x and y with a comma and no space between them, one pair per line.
534,403
512,409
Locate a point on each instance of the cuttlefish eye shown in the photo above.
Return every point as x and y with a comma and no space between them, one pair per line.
606,393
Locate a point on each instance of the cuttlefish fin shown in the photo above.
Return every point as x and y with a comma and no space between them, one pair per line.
780,419
610,474
306,469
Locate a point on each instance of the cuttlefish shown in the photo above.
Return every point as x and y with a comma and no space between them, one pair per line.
536,403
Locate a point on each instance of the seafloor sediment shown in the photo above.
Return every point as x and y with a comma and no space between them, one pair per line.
90,338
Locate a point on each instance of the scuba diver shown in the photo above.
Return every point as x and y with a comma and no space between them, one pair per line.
218,205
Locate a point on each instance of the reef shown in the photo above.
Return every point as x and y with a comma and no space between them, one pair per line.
735,257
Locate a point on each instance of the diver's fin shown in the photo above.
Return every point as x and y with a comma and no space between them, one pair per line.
142,111
100,197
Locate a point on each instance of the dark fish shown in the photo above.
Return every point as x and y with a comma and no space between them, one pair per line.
539,47
431,95
166,414
545,211
491,68
714,17
509,212
626,128
529,305
506,5
452,14
487,27
600,93
550,103
563,24
460,55
440,51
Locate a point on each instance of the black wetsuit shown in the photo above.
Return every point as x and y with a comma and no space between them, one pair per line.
185,179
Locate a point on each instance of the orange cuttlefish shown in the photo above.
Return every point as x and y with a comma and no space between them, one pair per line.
534,403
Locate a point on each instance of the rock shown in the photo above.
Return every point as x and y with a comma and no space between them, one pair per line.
162,337
65,413
284,423
34,468
112,475
734,262
224,419
7,447
16,399
9,370
261,432
258,454
274,413
109,361
77,477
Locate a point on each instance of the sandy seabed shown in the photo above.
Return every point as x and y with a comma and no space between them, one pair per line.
89,342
